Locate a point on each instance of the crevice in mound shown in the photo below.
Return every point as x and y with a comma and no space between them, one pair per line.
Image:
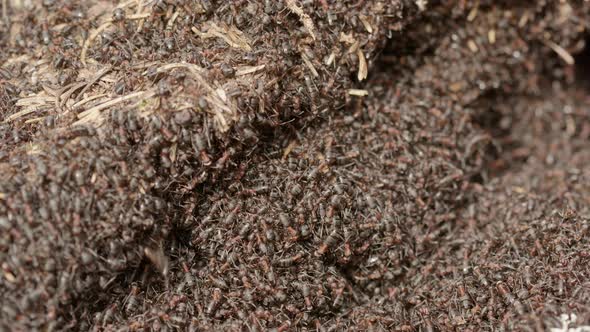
582,66
494,113
494,119
409,47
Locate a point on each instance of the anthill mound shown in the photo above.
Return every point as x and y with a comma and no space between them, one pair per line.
293,165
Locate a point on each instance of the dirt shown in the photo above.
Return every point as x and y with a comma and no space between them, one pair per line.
294,165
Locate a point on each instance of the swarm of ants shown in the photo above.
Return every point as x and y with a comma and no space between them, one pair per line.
292,165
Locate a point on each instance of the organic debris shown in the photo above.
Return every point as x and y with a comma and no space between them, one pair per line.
199,165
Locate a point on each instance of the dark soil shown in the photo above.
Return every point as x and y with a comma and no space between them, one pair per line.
294,165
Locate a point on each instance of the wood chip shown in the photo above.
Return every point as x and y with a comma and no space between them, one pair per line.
303,17
171,21
358,92
421,4
9,277
563,54
363,69
330,59
92,113
35,120
366,24
288,149
249,70
309,65
88,99
35,100
67,94
473,13
472,46
20,114
492,36
230,34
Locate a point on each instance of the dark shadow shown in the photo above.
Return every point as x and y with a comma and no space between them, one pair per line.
582,66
